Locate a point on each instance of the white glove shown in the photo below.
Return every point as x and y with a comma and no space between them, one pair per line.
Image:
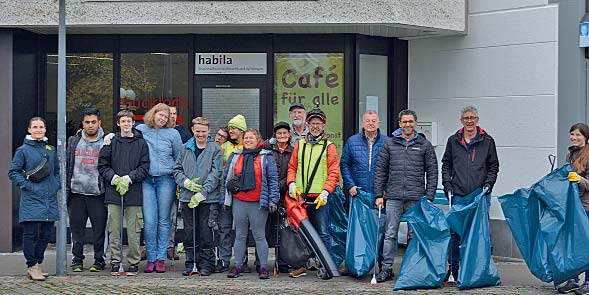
126,180
114,179
108,138
195,200
321,199
292,188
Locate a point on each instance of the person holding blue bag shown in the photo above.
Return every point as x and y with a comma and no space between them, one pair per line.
578,156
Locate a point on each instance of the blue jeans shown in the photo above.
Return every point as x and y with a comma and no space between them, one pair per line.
395,210
319,218
454,255
35,237
159,193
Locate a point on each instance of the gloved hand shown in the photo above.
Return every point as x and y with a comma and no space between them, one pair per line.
321,200
195,200
122,188
192,185
573,177
108,138
226,208
126,180
114,179
272,207
293,191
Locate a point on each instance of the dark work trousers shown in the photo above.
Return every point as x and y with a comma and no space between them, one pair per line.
82,207
35,238
201,250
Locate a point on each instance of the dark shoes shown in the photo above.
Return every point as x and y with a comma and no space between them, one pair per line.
568,287
221,267
264,274
132,270
234,272
205,272
77,266
98,266
584,289
385,275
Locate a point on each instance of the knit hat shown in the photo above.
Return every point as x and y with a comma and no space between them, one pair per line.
238,122
281,124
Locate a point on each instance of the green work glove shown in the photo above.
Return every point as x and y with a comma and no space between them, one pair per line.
195,200
122,187
192,185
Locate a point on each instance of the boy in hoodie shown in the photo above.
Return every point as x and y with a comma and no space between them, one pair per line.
85,190
124,163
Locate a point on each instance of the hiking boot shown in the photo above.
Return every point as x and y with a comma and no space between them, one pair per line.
149,267
264,274
583,289
160,266
245,268
172,254
77,266
234,272
298,273
35,273
221,268
385,275
568,287
97,266
132,270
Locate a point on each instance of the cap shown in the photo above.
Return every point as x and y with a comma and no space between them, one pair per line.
280,125
296,105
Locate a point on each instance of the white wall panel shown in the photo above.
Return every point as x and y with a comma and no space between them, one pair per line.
477,6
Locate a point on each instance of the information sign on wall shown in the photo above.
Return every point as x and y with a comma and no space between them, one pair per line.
230,63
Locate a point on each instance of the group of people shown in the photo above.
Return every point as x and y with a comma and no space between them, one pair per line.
235,180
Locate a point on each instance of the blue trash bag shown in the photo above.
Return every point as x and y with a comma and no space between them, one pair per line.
550,214
424,262
338,225
470,220
362,235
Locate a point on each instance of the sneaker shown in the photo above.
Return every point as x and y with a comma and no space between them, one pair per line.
221,268
98,266
160,266
298,273
385,275
205,272
569,286
114,270
264,274
149,267
77,266
312,264
583,289
172,254
132,270
234,272
245,268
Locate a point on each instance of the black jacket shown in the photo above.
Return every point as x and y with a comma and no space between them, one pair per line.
281,160
125,156
401,169
464,170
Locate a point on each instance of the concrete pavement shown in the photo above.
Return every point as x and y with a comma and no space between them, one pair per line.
515,277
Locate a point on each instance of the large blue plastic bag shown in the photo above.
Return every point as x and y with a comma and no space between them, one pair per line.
554,209
470,220
338,225
362,234
424,262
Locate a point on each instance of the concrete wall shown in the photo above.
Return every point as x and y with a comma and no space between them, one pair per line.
509,67
444,14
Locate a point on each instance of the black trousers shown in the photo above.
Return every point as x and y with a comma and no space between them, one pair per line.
201,250
82,207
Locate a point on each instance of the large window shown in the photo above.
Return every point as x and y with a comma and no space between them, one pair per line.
88,84
219,105
150,78
311,78
373,88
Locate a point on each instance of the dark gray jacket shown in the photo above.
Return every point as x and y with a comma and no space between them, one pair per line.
207,168
402,166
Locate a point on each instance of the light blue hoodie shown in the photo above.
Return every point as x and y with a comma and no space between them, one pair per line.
165,145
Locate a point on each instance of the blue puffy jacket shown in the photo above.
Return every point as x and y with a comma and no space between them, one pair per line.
38,201
354,163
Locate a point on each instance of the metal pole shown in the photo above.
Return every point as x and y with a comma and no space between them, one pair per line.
61,253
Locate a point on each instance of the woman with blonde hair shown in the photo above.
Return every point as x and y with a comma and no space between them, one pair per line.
159,187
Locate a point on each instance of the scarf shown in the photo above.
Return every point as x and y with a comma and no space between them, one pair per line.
248,174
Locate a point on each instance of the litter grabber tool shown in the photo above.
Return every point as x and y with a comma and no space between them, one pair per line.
373,281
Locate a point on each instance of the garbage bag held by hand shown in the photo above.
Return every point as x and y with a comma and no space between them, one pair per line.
338,225
470,220
554,215
424,262
362,235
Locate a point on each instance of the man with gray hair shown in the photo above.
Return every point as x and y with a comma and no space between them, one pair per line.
298,128
406,160
469,162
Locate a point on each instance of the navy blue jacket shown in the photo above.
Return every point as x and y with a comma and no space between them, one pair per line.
38,201
354,162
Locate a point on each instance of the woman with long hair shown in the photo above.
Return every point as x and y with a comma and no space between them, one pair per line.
578,156
35,170
159,188
250,189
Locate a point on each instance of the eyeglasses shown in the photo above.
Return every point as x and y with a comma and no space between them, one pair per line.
315,124
220,135
471,118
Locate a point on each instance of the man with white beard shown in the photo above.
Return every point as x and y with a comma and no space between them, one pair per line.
298,128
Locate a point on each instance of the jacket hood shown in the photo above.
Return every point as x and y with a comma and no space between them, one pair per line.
460,135
191,144
99,137
399,134
136,135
